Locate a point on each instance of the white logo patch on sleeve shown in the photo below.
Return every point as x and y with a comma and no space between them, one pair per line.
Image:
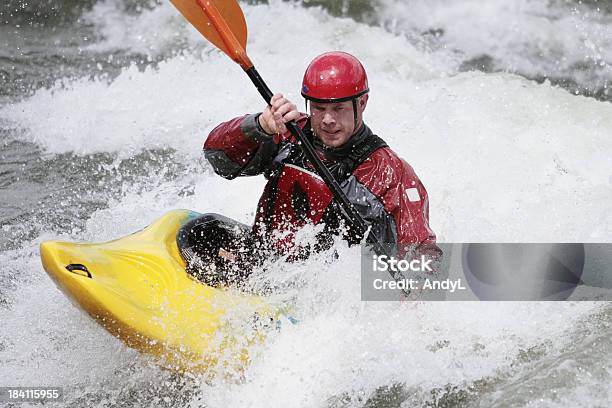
413,195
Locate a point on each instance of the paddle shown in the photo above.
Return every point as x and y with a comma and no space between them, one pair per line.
222,23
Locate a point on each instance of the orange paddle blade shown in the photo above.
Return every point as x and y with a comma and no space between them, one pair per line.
222,23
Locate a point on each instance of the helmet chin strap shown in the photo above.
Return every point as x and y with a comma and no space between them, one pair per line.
354,100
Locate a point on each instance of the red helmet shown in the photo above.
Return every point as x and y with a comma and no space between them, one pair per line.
334,77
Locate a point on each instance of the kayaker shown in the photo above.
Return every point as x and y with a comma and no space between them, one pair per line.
383,187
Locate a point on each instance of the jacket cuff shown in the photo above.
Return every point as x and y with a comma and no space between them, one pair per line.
251,128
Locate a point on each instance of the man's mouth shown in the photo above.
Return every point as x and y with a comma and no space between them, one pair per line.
331,133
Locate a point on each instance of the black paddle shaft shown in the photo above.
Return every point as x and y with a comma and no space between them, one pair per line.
355,219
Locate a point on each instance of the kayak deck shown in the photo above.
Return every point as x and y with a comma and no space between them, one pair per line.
136,287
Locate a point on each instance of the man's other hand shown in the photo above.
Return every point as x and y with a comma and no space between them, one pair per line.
274,117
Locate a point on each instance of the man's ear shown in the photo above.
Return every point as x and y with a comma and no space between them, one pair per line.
363,102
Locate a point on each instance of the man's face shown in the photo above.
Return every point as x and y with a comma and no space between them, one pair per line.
333,123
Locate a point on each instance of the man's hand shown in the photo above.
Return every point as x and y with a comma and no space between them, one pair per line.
274,117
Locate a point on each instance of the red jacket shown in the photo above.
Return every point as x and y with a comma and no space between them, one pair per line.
382,187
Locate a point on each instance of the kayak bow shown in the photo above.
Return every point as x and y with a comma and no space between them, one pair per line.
136,287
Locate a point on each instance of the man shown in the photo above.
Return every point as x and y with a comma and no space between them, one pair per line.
382,187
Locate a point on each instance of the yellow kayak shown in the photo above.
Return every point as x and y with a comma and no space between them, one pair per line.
137,288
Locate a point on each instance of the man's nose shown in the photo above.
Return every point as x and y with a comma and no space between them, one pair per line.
328,118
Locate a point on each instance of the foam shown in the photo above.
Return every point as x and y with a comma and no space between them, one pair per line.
532,37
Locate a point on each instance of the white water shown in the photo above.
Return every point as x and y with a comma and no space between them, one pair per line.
532,37
503,159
